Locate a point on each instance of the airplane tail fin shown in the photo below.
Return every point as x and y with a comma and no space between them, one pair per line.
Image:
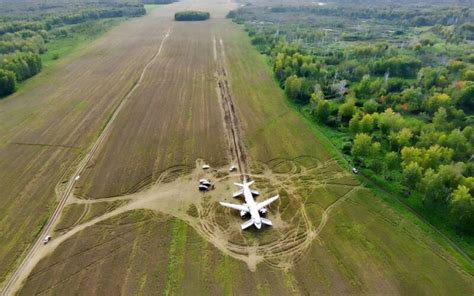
266,221
247,224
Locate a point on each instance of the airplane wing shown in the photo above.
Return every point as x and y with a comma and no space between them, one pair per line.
238,193
267,202
235,207
247,224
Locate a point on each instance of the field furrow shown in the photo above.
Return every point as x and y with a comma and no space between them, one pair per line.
45,130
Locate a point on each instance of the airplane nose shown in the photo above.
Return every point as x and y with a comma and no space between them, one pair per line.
258,225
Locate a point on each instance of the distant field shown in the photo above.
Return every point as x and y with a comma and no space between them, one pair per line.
150,7
331,236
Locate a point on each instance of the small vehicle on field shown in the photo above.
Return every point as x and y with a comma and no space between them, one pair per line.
205,185
355,171
46,239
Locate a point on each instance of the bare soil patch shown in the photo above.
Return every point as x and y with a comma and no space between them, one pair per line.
279,247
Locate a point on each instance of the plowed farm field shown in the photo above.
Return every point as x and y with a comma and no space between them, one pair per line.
45,130
167,98
172,119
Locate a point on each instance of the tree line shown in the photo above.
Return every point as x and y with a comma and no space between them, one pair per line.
416,16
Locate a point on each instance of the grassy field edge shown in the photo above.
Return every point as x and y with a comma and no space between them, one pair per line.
62,50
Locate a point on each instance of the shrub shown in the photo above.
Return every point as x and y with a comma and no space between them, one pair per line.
7,82
192,16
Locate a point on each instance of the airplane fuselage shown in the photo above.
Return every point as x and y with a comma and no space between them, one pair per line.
252,205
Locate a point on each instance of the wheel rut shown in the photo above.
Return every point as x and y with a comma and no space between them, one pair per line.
237,149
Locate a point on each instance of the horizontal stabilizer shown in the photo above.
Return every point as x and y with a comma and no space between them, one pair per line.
266,221
247,224
267,202
235,207
238,193
245,184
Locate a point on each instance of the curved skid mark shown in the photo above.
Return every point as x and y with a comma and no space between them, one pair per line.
291,242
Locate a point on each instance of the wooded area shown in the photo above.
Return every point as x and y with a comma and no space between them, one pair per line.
397,87
24,37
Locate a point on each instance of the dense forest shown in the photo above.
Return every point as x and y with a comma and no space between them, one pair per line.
392,87
26,28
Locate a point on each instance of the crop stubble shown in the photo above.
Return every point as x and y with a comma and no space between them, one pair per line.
44,131
172,119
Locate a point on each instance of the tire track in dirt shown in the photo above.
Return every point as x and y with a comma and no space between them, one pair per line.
174,198
231,121
25,268
327,211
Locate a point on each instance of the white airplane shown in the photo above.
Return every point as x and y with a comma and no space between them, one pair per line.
250,206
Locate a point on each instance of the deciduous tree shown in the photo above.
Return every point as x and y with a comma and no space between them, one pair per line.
7,82
462,208
412,174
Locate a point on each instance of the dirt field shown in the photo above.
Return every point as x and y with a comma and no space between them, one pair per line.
137,224
172,119
44,130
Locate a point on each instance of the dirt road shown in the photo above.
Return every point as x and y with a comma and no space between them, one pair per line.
238,152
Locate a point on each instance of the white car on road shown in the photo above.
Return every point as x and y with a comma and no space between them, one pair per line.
46,239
